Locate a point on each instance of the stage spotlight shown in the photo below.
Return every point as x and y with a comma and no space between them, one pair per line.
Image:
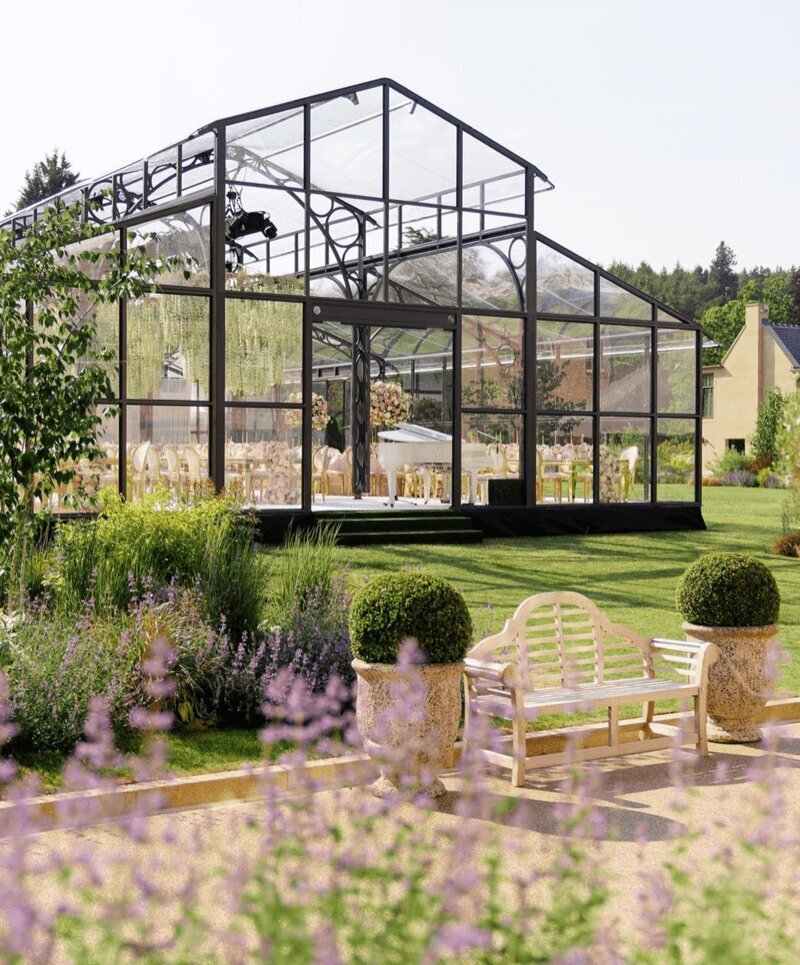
239,223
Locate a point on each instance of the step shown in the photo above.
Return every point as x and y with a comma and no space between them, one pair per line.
337,515
448,524
389,538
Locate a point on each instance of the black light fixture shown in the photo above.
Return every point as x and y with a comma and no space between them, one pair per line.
239,223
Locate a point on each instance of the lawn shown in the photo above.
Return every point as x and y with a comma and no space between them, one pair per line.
631,577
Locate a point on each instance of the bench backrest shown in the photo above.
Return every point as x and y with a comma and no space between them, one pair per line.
562,639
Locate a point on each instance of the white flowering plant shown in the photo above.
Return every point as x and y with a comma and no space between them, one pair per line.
320,414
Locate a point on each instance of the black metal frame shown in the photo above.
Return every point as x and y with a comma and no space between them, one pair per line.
195,172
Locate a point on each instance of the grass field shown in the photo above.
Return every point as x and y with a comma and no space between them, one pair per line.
631,577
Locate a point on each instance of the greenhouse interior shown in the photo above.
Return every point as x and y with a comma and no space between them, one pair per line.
371,322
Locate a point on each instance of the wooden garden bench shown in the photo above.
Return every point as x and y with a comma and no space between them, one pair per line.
560,653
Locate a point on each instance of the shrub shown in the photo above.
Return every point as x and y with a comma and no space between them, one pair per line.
763,442
788,545
739,477
731,461
134,547
768,479
56,667
728,590
396,606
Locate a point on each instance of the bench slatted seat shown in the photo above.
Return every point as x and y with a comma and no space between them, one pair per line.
560,653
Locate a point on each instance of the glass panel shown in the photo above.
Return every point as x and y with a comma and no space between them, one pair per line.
491,276
675,460
677,370
129,185
563,286
492,364
564,454
267,149
184,236
429,278
168,347
106,320
162,176
167,449
663,316
624,460
347,143
491,459
564,365
491,180
410,381
80,494
422,153
624,368
254,261
263,455
198,163
93,256
617,302
263,351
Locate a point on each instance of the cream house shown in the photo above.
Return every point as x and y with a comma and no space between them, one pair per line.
762,357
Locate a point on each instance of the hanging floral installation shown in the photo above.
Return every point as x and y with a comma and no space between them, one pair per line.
263,344
320,415
388,404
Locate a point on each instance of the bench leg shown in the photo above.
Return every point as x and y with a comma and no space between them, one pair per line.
648,712
613,726
520,751
700,722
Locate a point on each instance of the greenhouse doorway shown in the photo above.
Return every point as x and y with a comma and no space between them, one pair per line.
382,410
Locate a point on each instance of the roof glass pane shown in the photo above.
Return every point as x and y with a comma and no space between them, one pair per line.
563,286
489,276
491,180
429,278
162,180
267,150
185,236
422,148
617,302
663,316
347,144
198,162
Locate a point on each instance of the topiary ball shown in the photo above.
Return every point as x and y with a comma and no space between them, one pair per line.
728,590
394,607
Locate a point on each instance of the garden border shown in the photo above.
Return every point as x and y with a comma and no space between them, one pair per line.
99,806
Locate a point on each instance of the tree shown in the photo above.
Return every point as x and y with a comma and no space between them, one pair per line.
53,372
721,276
48,177
794,293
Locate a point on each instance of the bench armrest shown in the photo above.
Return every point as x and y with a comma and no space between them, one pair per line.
488,670
698,656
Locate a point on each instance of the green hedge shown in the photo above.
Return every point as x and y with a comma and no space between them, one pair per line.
728,590
394,607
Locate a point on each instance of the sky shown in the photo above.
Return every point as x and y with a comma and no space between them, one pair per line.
666,127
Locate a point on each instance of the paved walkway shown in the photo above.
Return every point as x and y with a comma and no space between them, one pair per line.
634,805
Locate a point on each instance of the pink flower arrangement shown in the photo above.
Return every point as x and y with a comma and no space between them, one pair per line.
388,404
320,416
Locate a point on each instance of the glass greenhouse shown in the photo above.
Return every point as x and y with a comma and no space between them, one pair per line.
372,321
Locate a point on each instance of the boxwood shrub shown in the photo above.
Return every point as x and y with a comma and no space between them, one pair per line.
728,590
397,606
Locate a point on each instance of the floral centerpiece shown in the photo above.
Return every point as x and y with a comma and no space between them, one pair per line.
388,404
320,416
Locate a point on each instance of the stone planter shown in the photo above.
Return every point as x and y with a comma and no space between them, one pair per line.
740,682
408,721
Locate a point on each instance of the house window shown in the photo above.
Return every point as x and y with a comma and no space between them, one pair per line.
735,444
708,395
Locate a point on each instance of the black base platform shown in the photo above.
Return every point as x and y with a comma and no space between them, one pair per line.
472,523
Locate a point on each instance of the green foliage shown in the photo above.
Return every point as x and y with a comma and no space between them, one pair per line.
398,606
768,423
53,373
56,665
131,547
48,177
306,565
728,590
787,444
730,461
